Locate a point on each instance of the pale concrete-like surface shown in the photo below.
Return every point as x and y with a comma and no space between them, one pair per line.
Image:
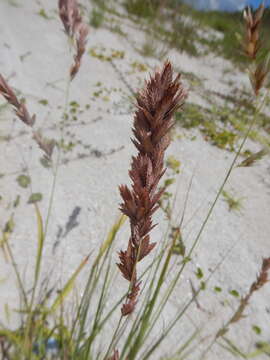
34,57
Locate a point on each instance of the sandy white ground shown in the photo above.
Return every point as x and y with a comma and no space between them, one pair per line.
34,57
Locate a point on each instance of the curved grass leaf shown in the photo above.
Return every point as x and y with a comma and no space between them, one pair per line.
69,286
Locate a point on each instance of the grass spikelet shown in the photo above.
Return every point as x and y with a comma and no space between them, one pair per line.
253,46
254,158
70,16
261,280
22,113
233,203
258,74
156,105
115,356
47,145
252,43
75,29
19,107
80,49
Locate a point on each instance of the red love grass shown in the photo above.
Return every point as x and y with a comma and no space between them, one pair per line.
47,145
261,280
75,29
81,41
21,111
19,107
153,120
115,356
70,15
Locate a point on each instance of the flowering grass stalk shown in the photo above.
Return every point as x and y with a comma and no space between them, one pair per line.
70,15
19,106
253,48
153,120
75,29
22,113
252,43
261,280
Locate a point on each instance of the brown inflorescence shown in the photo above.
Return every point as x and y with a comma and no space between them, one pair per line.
47,145
253,21
19,107
21,111
259,74
81,41
115,355
153,120
261,280
75,28
70,16
252,44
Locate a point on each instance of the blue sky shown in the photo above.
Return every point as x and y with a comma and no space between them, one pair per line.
256,3
229,5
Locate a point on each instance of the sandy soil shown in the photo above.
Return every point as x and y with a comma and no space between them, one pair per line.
34,57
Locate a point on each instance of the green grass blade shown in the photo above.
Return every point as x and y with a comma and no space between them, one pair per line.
98,312
263,349
69,286
110,238
93,280
40,243
149,309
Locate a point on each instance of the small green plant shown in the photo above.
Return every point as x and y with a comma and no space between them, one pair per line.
117,29
104,54
142,8
43,102
42,13
34,198
96,18
222,138
149,47
222,126
263,349
217,289
194,116
253,158
233,203
23,180
183,37
257,329
199,273
234,293
173,164
137,66
13,3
